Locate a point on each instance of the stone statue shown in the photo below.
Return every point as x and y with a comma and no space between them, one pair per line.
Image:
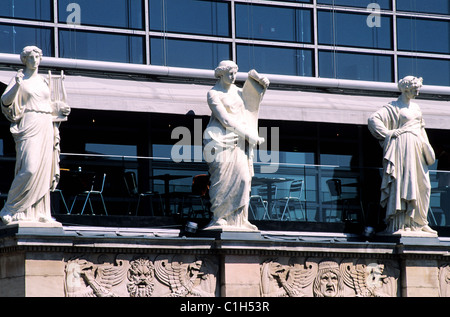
407,153
35,119
230,138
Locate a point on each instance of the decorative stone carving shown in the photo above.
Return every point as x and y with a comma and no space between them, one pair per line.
35,115
86,279
230,138
444,280
289,280
140,276
369,279
197,278
328,278
405,188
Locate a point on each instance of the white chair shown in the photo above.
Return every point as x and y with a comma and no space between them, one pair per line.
97,186
257,201
57,190
293,200
261,199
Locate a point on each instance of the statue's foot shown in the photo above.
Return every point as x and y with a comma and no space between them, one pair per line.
6,218
216,224
428,229
47,219
250,226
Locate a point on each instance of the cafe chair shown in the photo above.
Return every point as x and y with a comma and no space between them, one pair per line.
57,190
133,192
197,202
335,189
291,202
97,186
348,209
259,200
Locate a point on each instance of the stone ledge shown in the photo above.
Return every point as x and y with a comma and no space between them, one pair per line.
145,239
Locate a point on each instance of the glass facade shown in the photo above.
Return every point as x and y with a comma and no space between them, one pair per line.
367,40
300,38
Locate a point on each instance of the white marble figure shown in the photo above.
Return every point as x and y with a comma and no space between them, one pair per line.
27,104
230,137
407,153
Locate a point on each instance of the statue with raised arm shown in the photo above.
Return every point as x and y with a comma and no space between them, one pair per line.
407,153
27,103
230,138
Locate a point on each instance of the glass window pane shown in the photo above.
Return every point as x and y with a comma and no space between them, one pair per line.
111,149
273,23
384,4
423,35
305,1
350,29
195,54
27,9
434,6
355,66
275,60
15,38
433,71
101,46
203,17
113,13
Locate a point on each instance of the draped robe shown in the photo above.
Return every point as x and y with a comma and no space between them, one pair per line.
230,157
33,131
405,187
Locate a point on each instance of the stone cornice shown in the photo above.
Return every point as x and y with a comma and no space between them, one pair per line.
123,240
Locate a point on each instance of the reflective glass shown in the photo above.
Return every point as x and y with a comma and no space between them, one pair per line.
190,16
350,29
275,60
384,4
423,35
101,46
187,53
112,13
305,1
273,23
15,38
355,66
433,71
27,9
431,6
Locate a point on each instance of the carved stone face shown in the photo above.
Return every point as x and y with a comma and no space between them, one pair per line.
140,275
229,77
33,60
412,92
329,284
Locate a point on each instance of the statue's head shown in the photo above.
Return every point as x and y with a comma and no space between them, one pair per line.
409,82
223,67
27,50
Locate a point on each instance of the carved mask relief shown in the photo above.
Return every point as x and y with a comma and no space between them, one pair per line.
141,276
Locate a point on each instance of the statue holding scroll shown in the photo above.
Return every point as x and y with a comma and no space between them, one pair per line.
407,153
35,112
230,139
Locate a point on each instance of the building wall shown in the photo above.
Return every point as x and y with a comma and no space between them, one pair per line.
79,262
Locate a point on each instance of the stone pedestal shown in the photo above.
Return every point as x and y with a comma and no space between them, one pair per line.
28,272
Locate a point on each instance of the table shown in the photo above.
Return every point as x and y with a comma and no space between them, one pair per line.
167,178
